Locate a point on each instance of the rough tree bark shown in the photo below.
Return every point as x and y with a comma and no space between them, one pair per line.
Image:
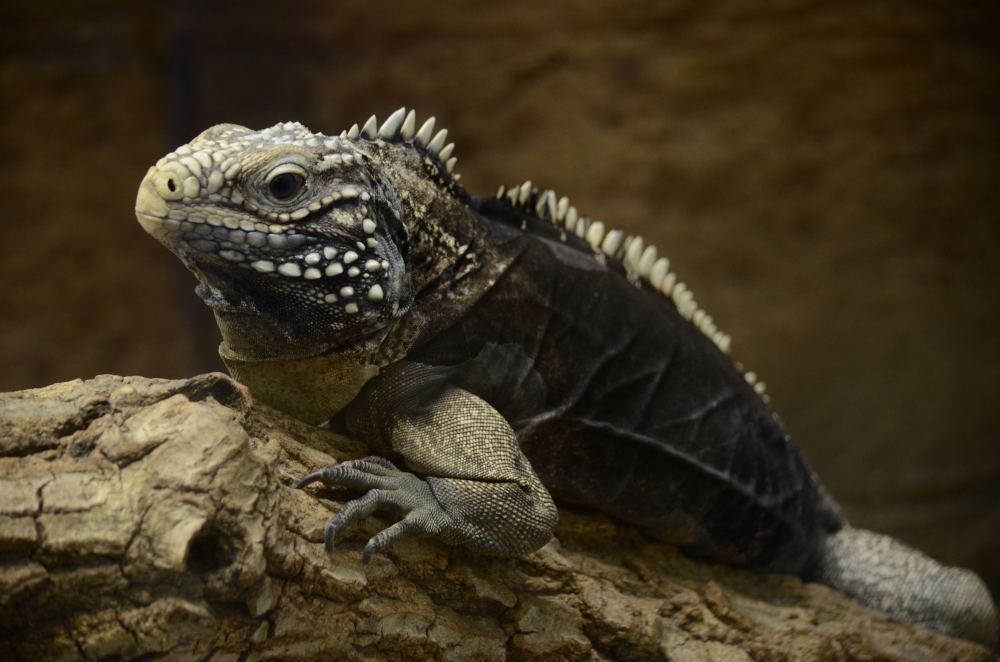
148,519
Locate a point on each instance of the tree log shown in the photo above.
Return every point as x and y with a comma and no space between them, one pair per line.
153,519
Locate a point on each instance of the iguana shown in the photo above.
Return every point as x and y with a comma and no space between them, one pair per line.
497,352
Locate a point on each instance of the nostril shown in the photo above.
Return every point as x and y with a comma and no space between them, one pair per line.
168,185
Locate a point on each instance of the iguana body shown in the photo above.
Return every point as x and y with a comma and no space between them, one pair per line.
500,349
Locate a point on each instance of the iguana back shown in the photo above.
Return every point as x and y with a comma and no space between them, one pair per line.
641,416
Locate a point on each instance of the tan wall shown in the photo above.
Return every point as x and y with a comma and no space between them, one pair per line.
825,176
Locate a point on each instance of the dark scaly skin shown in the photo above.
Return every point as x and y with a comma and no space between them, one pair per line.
499,358
643,416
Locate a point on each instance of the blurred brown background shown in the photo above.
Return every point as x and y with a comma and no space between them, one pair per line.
824,175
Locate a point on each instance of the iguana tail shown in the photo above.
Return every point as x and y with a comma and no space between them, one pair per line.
881,573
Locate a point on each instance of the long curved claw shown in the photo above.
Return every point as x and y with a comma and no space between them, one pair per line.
311,478
331,530
388,489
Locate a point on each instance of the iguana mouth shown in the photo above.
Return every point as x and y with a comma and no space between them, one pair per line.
291,253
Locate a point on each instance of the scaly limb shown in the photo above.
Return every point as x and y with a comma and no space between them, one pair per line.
479,490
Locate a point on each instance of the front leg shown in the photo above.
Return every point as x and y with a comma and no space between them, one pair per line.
480,491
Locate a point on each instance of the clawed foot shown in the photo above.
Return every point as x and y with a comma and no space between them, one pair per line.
388,489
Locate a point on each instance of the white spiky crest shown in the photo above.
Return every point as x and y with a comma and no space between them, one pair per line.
401,127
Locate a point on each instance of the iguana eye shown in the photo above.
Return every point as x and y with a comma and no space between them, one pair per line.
285,181
286,185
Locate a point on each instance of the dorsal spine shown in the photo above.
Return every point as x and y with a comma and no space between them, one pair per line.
642,262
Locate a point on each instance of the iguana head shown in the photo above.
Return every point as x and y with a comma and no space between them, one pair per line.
303,242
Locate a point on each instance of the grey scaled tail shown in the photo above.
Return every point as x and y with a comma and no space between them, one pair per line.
885,575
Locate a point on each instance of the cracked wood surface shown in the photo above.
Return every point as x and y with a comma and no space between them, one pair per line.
148,519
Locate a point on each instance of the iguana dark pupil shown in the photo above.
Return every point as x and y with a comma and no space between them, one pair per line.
286,185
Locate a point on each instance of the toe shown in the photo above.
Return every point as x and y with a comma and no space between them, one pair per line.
387,537
363,507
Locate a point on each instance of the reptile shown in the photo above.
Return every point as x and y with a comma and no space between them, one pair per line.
500,353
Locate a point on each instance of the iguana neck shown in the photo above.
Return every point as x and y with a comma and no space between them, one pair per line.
311,383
